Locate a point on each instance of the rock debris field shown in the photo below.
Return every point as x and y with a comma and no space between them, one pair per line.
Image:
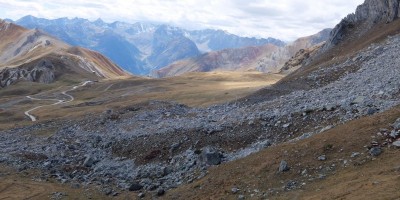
160,145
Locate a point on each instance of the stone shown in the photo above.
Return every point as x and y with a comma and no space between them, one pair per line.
283,166
141,195
89,161
286,125
394,134
241,197
235,190
329,107
358,100
396,124
107,191
322,158
372,111
160,192
354,154
375,151
135,187
396,144
211,156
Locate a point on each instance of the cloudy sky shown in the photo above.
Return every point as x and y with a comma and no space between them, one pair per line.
283,19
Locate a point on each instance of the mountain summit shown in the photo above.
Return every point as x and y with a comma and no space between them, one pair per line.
367,15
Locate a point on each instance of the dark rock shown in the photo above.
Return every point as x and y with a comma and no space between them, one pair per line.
290,185
107,191
372,111
135,187
283,166
141,195
375,151
211,156
160,192
89,161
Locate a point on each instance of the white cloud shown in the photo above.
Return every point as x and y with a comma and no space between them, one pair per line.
284,19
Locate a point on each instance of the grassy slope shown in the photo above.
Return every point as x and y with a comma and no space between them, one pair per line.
364,178
195,89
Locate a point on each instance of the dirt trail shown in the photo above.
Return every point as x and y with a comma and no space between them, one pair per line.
59,101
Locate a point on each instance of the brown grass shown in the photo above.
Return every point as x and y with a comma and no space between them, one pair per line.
194,89
364,178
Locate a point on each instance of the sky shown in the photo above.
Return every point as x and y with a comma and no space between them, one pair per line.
282,19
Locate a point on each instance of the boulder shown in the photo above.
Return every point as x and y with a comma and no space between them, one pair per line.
375,151
283,166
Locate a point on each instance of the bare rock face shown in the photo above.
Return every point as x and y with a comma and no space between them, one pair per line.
370,12
301,58
43,72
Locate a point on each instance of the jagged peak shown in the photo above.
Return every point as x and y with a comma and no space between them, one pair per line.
369,13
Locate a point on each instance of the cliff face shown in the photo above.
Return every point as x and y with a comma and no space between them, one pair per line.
43,72
367,14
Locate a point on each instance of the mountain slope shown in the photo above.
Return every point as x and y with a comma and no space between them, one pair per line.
35,56
215,40
266,58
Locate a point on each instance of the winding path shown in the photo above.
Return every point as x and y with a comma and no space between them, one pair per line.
59,101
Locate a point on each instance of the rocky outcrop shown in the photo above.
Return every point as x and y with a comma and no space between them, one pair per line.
300,58
43,72
369,13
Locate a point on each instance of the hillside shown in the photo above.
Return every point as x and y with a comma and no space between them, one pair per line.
32,55
267,58
329,129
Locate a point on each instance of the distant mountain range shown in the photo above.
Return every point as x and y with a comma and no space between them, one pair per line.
265,58
141,47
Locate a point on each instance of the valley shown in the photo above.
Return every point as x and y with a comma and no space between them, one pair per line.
324,123
195,89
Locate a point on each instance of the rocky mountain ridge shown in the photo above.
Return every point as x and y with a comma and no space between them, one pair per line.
32,55
369,13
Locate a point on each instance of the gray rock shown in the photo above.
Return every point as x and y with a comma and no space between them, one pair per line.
396,144
372,111
322,158
241,197
396,124
141,195
89,161
358,100
107,191
212,156
375,151
235,190
394,134
330,107
355,154
283,166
